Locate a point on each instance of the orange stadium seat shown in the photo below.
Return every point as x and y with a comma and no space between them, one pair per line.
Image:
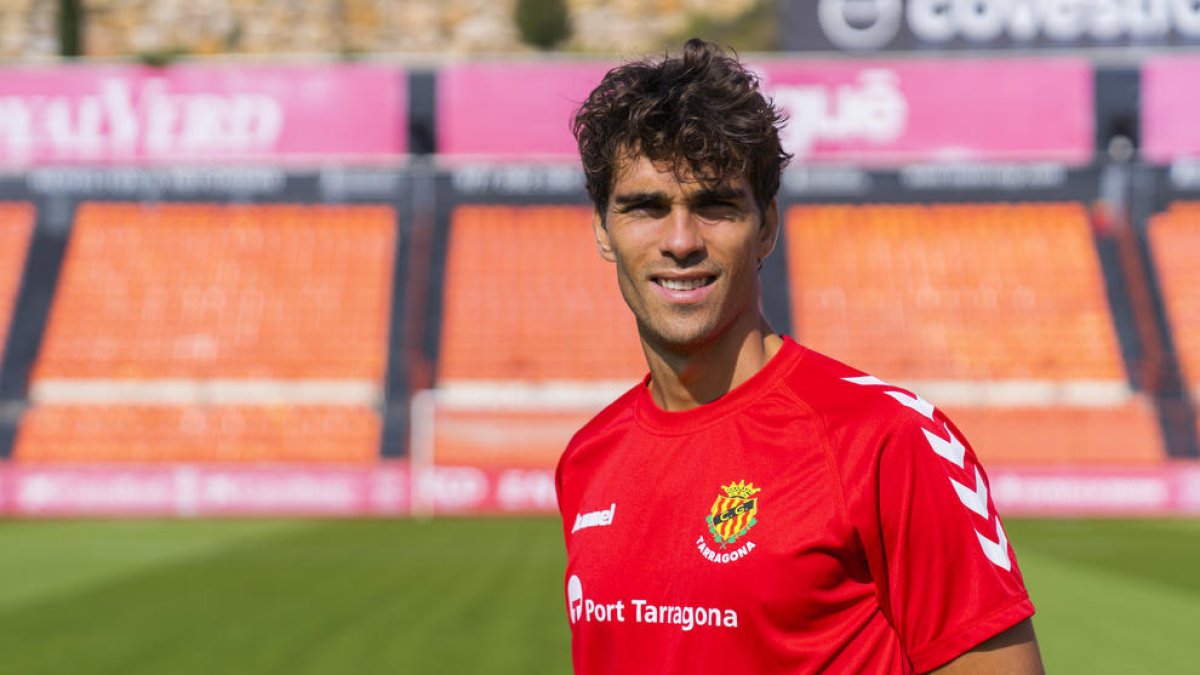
1174,238
1175,245
1056,434
203,291
204,434
949,292
528,298
16,230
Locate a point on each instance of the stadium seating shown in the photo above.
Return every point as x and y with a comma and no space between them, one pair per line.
527,298
915,292
208,291
999,309
16,230
1175,245
215,333
532,318
1127,433
1174,238
202,434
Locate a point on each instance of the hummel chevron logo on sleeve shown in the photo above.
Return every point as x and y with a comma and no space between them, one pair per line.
954,451
976,499
909,400
996,551
951,450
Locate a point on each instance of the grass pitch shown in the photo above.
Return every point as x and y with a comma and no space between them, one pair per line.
474,596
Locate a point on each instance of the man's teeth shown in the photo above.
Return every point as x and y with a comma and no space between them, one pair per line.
682,284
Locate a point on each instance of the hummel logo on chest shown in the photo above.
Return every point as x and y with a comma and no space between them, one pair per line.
602,518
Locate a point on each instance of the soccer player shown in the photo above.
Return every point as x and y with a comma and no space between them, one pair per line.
753,506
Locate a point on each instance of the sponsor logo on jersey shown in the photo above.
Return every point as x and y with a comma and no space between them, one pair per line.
582,609
575,598
729,519
601,518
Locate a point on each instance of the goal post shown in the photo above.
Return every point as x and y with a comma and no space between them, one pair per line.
492,447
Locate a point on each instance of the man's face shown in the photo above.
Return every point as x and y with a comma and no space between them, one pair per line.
687,255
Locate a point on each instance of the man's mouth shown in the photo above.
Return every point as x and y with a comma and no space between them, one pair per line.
684,284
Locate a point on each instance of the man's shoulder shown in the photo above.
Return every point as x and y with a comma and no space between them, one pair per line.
614,416
856,409
830,386
592,442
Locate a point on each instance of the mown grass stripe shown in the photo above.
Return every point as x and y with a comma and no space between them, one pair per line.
473,596
45,558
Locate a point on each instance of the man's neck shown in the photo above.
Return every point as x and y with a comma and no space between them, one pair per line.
685,380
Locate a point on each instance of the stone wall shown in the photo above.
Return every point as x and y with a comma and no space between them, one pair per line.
28,28
147,27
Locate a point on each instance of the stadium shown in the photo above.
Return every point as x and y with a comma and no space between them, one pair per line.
299,306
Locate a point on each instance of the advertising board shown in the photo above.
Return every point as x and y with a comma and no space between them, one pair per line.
1169,99
892,25
881,113
90,114
387,490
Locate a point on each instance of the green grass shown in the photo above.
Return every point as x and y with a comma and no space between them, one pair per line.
474,596
1114,596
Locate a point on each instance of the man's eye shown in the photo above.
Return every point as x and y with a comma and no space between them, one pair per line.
646,210
719,212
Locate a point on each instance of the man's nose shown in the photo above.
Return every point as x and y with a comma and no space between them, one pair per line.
682,238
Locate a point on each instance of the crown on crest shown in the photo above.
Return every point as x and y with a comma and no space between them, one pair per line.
741,490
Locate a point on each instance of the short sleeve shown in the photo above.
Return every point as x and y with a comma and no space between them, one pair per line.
952,579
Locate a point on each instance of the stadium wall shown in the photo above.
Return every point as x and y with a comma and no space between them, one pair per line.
433,144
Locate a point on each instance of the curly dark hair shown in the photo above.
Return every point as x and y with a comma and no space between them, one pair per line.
702,112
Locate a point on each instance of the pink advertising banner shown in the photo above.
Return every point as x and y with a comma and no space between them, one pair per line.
892,112
512,109
870,112
1164,490
186,490
199,113
387,490
466,489
219,491
1169,101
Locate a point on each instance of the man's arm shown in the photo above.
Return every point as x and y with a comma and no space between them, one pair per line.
1013,652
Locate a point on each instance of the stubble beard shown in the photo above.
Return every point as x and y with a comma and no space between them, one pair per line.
683,335
680,330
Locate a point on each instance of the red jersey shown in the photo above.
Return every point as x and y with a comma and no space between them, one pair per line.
813,519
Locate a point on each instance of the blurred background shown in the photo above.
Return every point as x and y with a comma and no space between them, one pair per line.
299,305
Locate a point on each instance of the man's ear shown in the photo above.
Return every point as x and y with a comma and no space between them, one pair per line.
603,243
768,233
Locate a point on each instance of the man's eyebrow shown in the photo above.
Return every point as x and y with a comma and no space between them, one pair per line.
723,193
640,198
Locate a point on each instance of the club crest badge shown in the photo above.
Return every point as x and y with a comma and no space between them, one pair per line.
733,513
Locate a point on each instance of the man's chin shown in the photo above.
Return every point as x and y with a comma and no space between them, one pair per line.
677,339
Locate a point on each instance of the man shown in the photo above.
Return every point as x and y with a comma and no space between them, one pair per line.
754,506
